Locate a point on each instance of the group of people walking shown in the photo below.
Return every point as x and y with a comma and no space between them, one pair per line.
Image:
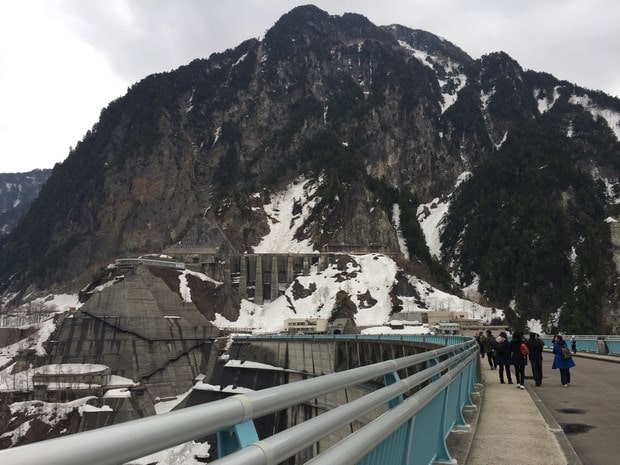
502,352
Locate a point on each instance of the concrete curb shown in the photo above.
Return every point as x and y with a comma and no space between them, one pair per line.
570,454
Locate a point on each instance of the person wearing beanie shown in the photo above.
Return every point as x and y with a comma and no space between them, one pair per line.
502,356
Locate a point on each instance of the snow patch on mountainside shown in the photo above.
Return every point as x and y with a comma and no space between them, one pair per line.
612,188
450,82
610,116
402,244
287,212
501,142
430,216
184,288
545,103
485,98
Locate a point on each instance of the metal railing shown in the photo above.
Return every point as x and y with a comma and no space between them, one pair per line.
149,262
445,383
596,344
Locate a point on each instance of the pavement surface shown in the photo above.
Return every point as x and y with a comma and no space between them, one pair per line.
511,426
512,430
589,409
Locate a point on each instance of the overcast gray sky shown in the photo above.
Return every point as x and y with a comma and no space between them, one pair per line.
62,61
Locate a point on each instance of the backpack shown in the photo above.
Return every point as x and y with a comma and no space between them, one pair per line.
524,350
566,355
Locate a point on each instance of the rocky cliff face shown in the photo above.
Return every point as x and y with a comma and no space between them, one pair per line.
371,114
17,191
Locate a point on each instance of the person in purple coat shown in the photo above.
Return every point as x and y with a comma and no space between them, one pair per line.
561,362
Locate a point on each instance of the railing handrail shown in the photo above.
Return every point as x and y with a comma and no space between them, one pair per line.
138,438
566,337
287,443
355,446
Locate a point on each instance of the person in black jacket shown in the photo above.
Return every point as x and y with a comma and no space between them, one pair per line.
487,342
535,345
480,339
518,358
502,356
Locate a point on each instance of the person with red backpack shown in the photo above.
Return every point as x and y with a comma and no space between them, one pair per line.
518,357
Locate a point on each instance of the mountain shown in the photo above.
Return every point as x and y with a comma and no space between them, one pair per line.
334,169
17,191
377,120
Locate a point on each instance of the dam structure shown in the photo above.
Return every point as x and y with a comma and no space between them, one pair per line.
262,277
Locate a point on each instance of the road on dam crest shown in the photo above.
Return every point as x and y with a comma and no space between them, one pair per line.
588,410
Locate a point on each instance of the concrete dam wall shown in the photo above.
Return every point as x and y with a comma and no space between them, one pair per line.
262,277
256,363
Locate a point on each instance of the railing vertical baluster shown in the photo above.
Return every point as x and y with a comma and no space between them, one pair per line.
236,438
389,379
445,424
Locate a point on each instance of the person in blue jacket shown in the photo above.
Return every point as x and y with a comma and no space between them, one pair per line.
560,361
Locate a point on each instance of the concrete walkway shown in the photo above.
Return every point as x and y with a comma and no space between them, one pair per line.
514,429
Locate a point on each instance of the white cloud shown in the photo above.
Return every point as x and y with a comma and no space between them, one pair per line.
53,87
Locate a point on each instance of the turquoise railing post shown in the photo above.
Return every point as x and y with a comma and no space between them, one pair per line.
409,450
236,438
475,370
431,363
462,399
443,455
388,379
427,428
472,380
612,344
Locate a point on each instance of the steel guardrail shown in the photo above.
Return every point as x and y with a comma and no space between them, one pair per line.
123,442
601,344
285,444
